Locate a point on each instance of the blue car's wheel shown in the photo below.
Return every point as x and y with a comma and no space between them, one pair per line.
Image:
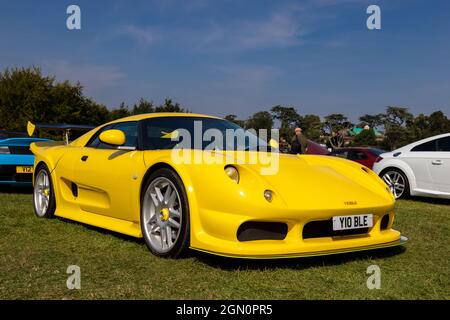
43,194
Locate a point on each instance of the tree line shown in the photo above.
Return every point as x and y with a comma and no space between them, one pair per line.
26,94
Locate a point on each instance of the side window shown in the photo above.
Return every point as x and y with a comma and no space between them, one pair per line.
131,132
95,141
129,128
444,144
340,153
357,155
427,146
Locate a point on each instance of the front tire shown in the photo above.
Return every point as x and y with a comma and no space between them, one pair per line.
165,214
43,193
397,182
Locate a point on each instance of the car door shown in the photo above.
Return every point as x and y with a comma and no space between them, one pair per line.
106,177
439,165
419,159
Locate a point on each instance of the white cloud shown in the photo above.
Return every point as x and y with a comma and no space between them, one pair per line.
280,29
92,77
144,36
247,75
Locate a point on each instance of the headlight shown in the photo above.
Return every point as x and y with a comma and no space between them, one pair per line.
4,150
268,195
232,173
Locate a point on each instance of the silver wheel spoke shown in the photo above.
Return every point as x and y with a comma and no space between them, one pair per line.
172,199
152,219
154,199
167,194
396,182
173,223
174,213
162,218
159,194
169,236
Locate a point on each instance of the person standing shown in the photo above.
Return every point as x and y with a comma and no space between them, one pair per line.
299,143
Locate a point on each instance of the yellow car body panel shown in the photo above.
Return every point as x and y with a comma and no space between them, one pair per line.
306,188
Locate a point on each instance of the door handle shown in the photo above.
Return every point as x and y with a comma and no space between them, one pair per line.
84,158
436,162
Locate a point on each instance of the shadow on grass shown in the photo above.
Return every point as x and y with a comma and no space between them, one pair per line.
430,200
103,231
16,189
232,264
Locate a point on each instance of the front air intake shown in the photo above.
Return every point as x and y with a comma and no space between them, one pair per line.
384,222
255,230
324,228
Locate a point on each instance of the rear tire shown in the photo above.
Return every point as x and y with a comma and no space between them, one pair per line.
165,221
397,182
43,193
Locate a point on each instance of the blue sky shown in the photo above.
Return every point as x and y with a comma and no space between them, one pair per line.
239,57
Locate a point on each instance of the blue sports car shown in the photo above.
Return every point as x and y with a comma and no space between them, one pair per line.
16,160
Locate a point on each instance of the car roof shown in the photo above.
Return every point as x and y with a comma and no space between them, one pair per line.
163,114
412,145
20,141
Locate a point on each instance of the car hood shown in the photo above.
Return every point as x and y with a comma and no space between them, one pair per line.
312,182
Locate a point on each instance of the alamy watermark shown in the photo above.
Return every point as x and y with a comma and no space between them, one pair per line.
73,21
374,280
74,280
374,20
225,147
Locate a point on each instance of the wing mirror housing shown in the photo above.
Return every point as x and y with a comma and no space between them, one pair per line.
113,137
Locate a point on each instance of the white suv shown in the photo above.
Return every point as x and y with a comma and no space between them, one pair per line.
421,168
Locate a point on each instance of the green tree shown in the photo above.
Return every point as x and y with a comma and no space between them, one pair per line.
233,118
260,120
397,116
121,112
395,121
287,116
143,106
365,138
438,123
27,95
312,126
336,128
372,121
169,106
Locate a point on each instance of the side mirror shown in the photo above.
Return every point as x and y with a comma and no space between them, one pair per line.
113,137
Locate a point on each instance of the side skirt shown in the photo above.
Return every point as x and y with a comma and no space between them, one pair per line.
117,225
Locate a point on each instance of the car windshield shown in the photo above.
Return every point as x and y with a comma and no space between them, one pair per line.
198,133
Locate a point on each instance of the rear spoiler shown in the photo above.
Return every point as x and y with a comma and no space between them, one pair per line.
31,128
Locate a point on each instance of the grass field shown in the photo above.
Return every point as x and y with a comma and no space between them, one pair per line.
35,253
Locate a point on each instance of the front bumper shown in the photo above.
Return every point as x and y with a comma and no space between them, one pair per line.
401,241
218,235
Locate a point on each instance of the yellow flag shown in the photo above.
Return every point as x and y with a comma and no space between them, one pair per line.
30,128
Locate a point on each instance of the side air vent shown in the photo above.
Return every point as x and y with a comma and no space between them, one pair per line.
74,189
255,230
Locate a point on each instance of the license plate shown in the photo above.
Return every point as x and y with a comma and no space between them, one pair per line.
24,169
352,222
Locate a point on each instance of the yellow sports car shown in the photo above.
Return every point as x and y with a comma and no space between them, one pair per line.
193,181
